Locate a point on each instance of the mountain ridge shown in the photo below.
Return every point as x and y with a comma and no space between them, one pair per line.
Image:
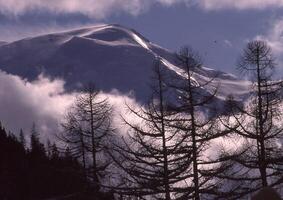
112,56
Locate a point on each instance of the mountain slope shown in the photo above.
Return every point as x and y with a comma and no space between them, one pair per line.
111,56
2,42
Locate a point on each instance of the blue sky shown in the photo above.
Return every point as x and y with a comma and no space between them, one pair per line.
217,29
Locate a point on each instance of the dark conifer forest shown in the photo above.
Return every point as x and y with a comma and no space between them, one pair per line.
39,171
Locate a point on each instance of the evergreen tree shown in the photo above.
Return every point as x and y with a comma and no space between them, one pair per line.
37,150
22,138
54,152
24,175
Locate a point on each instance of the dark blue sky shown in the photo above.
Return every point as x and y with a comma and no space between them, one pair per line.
218,35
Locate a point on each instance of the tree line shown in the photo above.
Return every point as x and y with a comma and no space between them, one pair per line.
169,151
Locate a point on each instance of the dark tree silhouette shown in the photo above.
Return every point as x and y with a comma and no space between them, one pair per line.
156,158
193,101
22,138
86,130
258,122
13,168
74,137
37,149
27,174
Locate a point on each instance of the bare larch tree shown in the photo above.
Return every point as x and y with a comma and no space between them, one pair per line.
155,157
258,122
87,127
194,97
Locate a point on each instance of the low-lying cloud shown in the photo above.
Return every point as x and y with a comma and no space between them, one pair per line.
45,103
23,103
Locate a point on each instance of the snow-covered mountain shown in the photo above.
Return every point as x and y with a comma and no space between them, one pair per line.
111,56
2,42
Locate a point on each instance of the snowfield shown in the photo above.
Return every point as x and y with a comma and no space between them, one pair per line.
111,56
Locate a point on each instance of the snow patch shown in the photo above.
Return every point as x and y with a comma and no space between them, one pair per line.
178,71
140,41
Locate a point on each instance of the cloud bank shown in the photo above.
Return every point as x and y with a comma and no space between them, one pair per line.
93,8
45,103
103,8
274,37
240,4
23,103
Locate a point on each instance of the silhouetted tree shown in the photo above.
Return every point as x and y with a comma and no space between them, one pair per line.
74,137
27,174
37,149
13,167
54,152
156,159
258,122
22,138
194,100
86,129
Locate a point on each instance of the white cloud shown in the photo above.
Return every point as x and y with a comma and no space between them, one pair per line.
274,37
120,105
103,8
93,8
45,102
240,4
41,101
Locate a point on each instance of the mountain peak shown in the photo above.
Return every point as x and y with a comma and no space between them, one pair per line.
102,32
110,55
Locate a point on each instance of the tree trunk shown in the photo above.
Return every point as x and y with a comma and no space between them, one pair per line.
262,162
194,143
